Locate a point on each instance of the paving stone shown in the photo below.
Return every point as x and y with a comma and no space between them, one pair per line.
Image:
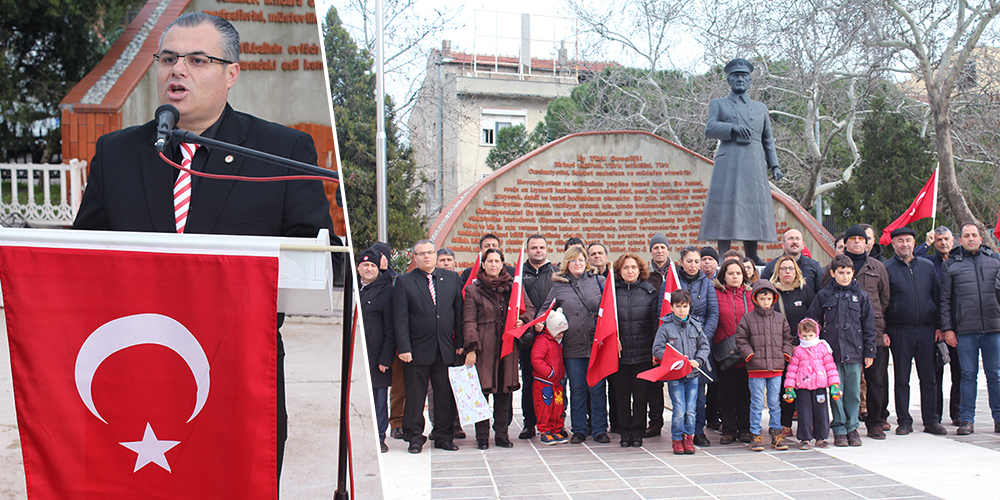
464,493
837,494
515,470
671,492
537,490
891,491
586,475
471,472
539,477
659,471
839,471
792,485
593,485
606,495
462,482
718,477
781,475
744,489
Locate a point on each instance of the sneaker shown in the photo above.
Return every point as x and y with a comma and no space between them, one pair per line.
688,442
527,433
965,428
778,440
678,446
548,438
821,443
578,437
561,437
876,432
854,439
757,444
905,428
804,445
701,440
935,428
840,440
727,439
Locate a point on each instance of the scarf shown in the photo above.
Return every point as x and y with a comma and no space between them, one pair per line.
859,260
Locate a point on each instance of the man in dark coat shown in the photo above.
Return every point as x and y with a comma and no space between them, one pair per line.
375,298
536,278
791,244
911,323
427,318
739,205
130,188
970,319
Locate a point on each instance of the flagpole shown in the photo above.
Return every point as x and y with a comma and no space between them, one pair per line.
934,205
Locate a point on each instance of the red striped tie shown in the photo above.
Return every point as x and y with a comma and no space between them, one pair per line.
430,286
182,187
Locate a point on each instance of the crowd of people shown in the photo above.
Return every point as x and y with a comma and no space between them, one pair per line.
790,337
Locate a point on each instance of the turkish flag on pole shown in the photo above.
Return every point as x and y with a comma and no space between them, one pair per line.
674,366
141,374
996,230
670,283
604,353
925,205
472,274
508,336
514,308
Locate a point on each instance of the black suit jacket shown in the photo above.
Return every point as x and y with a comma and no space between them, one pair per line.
421,327
130,188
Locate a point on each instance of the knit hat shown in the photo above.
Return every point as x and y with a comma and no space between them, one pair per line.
556,322
658,238
710,252
855,230
370,255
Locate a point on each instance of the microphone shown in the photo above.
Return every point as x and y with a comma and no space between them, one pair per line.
166,118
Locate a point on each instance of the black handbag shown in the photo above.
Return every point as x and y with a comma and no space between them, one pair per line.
941,355
726,353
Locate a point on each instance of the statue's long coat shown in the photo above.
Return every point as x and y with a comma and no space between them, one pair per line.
739,205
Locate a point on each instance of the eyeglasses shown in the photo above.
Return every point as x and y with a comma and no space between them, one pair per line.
193,60
421,254
787,269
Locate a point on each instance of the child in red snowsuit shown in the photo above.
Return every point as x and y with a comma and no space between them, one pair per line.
547,390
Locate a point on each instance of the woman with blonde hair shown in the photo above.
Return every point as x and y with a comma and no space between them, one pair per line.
577,290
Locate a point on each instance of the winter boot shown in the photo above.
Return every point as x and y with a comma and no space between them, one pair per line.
758,442
678,447
688,442
778,440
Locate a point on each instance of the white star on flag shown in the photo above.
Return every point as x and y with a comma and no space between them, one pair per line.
150,449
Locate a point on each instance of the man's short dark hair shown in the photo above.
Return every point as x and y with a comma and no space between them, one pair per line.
680,296
446,251
596,243
572,241
942,230
840,237
488,236
866,227
423,242
527,242
979,230
230,37
840,261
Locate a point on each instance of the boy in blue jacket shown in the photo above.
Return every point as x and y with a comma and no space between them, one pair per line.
847,323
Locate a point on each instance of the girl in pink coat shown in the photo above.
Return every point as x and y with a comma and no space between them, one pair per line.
810,372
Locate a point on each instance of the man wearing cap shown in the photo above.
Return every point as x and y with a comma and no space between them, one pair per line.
709,262
912,325
791,244
659,248
739,205
870,274
375,299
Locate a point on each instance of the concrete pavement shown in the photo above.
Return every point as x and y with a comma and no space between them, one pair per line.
312,381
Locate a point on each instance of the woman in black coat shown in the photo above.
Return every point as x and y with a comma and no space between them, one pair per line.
375,297
638,318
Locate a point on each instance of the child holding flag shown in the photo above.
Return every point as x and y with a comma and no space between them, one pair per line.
683,334
547,390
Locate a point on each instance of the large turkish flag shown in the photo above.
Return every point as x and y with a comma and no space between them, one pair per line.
143,375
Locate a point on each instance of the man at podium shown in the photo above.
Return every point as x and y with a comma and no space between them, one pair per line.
130,188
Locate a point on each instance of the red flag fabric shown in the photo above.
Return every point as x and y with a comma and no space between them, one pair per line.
604,353
472,274
922,207
507,346
673,366
516,305
996,230
143,375
671,282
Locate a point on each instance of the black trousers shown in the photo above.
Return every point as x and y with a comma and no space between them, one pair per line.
877,378
787,409
631,393
734,401
814,416
712,404
655,402
502,411
955,398
909,345
416,377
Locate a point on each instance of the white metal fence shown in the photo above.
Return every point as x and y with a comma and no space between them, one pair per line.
45,212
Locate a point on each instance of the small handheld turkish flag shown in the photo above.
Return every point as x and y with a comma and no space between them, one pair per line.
604,353
674,366
143,375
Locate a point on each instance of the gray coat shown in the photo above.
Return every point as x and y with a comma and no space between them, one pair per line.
739,205
581,316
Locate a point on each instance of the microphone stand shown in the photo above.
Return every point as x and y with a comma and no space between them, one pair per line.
185,136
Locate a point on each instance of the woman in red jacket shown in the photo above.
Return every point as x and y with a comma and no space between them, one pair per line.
734,391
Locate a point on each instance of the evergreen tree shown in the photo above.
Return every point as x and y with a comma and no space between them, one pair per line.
352,83
896,163
514,142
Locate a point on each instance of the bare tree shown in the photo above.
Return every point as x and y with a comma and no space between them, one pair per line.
935,41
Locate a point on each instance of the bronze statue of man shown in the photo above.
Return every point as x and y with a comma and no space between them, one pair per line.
739,205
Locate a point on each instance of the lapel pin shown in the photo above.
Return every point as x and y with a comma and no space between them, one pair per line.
229,158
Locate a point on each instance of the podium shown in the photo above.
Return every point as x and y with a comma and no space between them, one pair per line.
305,271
